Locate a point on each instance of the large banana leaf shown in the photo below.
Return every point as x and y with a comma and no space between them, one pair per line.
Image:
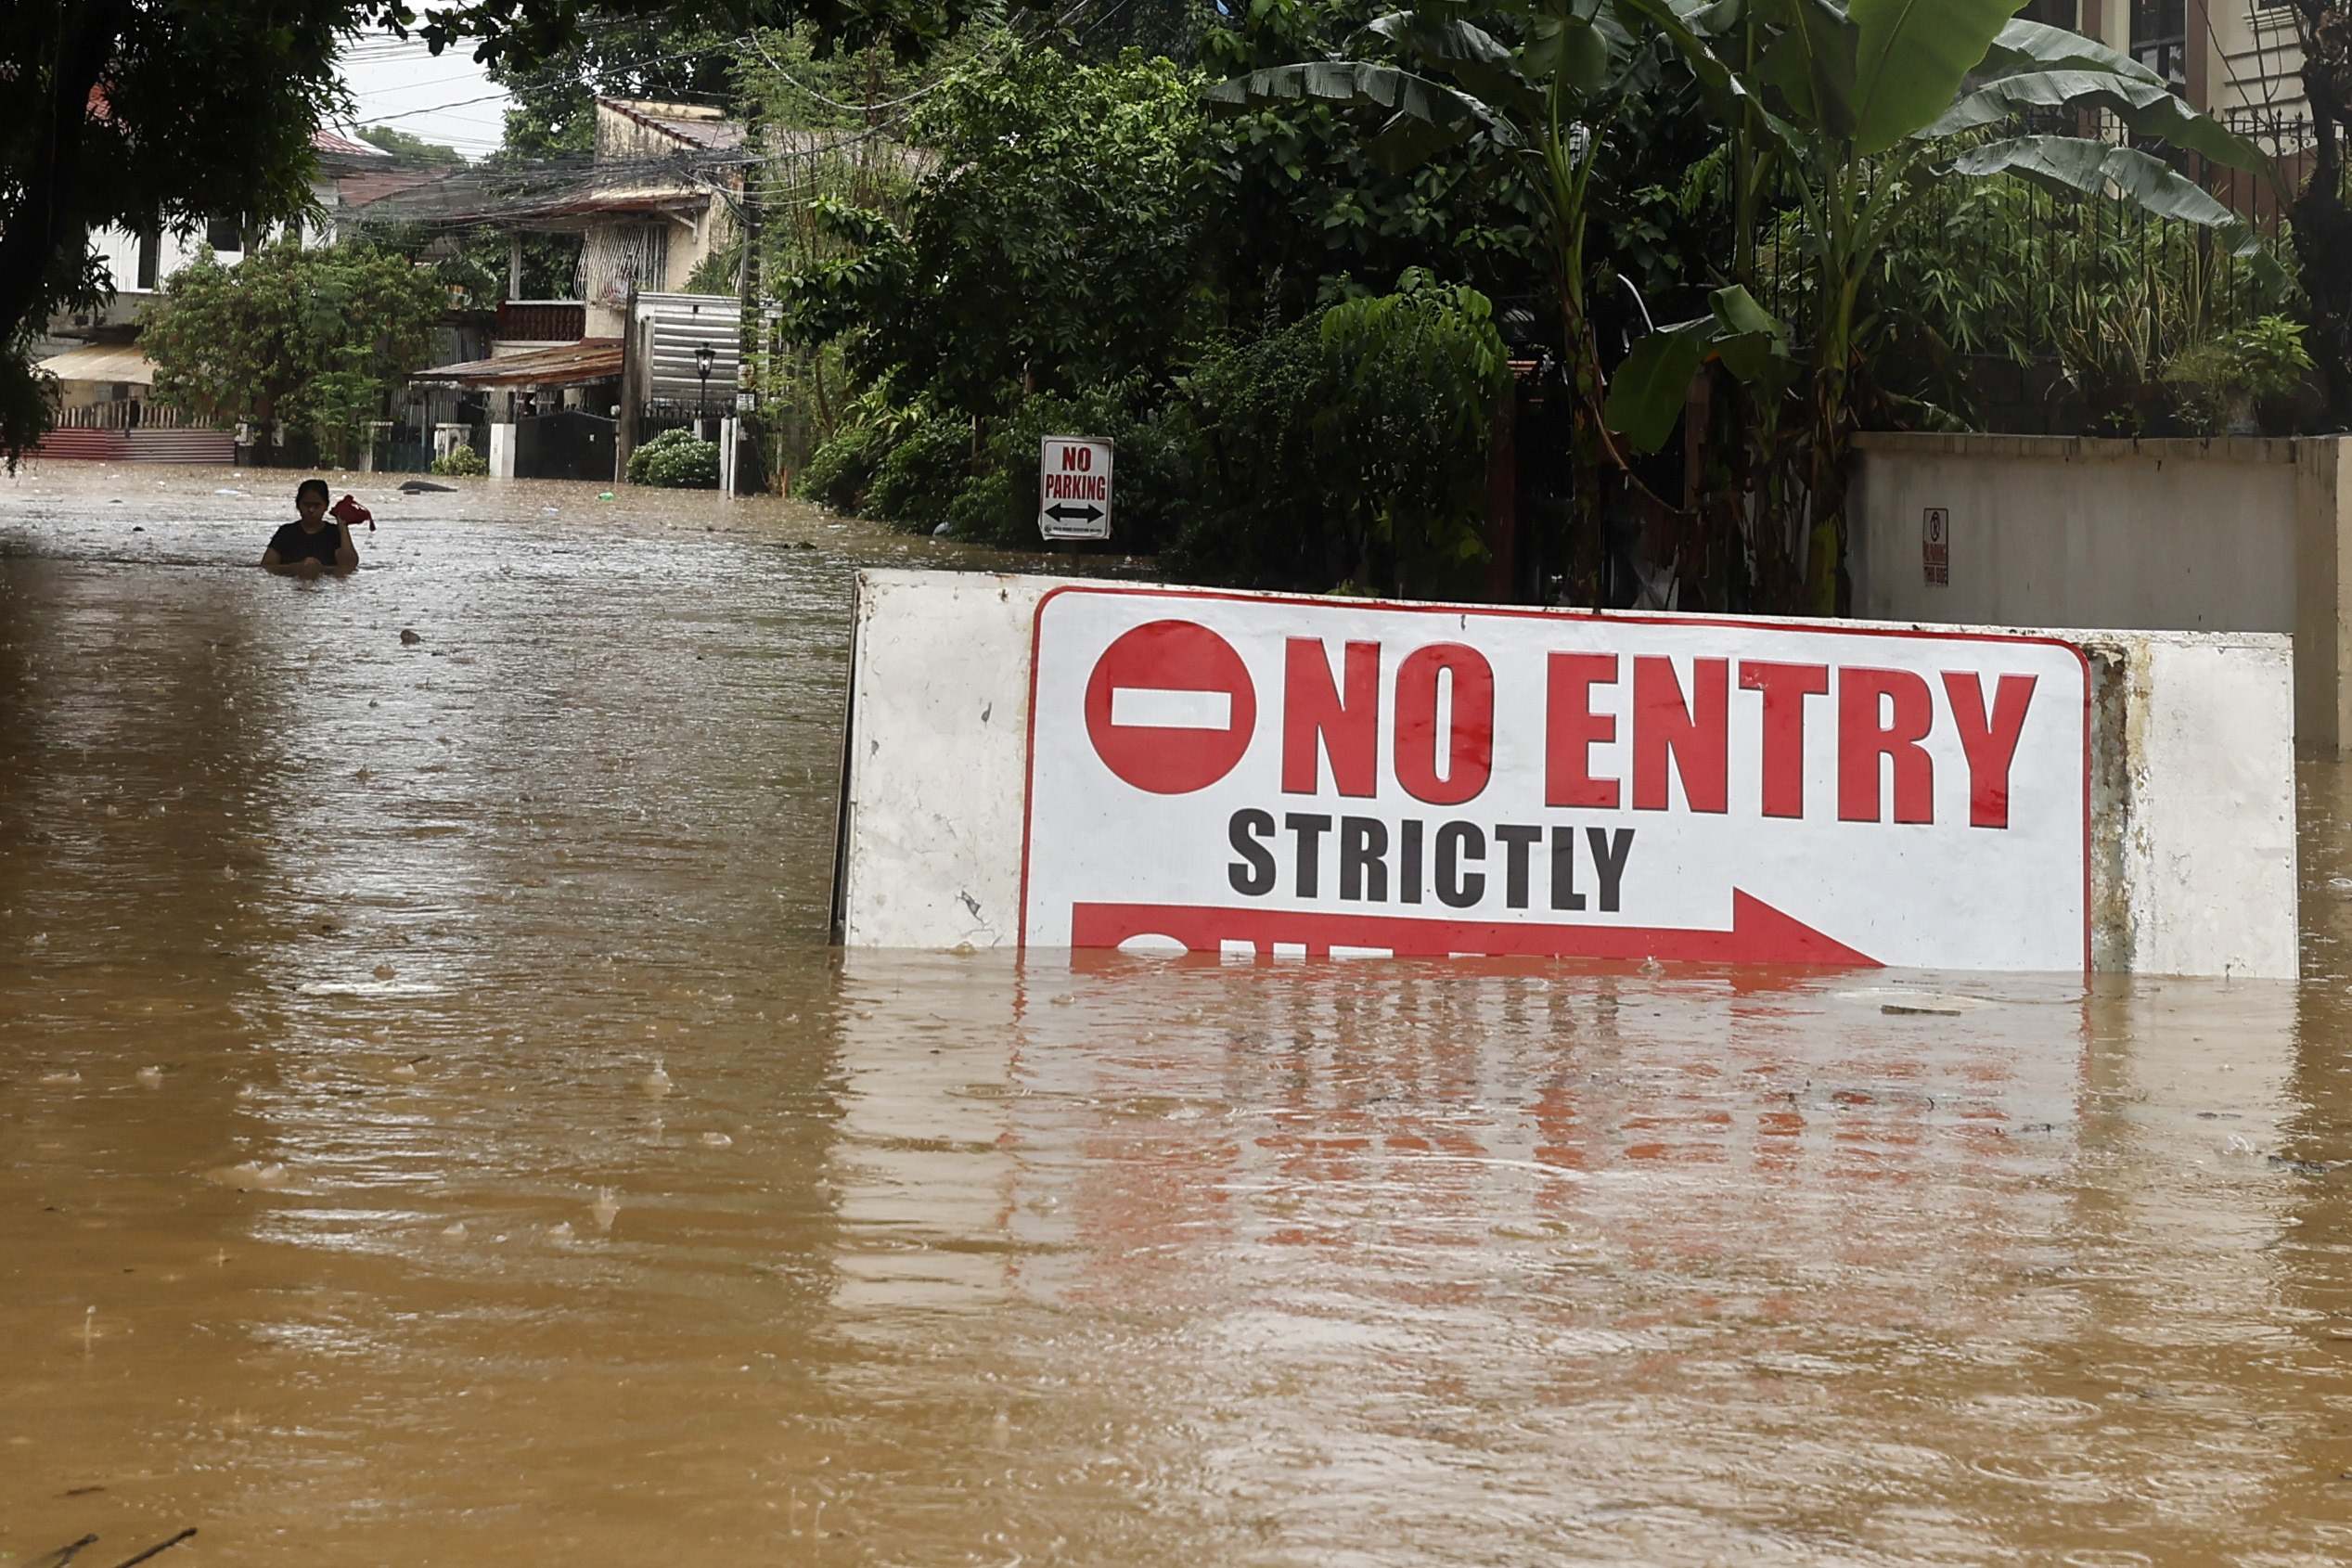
1812,66
2032,46
1360,84
2094,168
1578,52
1470,54
1647,393
2151,110
1689,28
1911,56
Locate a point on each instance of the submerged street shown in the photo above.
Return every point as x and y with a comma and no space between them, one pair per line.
434,1130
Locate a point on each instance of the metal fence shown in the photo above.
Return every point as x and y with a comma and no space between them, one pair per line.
2078,295
130,414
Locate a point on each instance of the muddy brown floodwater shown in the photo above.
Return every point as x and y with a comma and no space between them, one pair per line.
433,1130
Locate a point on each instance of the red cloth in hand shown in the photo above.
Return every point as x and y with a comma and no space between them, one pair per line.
351,514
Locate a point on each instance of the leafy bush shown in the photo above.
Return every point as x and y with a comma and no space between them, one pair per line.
461,462
676,460
1154,481
2219,384
1349,448
841,468
916,484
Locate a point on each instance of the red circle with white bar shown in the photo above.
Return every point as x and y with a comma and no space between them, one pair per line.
1170,708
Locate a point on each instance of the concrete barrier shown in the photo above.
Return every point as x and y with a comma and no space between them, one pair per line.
2134,789
2233,535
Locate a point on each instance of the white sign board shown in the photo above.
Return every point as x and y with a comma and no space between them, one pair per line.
1073,487
1250,775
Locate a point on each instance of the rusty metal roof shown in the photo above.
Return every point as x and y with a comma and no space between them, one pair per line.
685,123
568,364
325,140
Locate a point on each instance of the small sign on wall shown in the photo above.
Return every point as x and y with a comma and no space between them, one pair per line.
1936,545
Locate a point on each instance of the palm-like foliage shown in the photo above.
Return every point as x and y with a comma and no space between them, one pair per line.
1851,108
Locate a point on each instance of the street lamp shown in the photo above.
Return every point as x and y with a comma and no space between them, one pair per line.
702,357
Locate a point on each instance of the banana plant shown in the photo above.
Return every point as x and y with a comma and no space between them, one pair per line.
1861,104
1545,85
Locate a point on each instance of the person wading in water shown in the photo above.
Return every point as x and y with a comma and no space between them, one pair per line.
312,545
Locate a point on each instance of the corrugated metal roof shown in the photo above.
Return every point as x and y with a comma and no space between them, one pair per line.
571,365
705,129
325,140
375,185
102,362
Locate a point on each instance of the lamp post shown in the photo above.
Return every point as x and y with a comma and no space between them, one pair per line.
702,357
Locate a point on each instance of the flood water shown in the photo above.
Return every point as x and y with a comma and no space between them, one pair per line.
433,1130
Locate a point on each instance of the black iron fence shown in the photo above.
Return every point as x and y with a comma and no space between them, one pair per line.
2035,308
656,414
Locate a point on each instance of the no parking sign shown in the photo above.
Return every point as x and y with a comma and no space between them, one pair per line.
1073,487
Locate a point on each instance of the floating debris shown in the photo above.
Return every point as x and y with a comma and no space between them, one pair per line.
656,1083
254,1176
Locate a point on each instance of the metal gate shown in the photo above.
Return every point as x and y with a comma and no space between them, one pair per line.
566,444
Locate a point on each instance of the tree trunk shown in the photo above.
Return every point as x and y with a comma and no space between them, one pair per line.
2323,223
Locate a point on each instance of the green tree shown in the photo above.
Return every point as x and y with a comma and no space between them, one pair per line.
109,125
313,338
1052,249
1306,213
1862,104
1349,447
140,112
410,149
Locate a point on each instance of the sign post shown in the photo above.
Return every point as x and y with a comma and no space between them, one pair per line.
1936,545
1073,487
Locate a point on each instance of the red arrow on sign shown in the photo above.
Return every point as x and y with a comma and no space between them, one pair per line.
1759,934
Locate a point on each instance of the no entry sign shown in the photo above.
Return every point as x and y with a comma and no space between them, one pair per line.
1266,777
1073,487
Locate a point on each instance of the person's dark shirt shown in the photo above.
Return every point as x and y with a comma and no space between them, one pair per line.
295,547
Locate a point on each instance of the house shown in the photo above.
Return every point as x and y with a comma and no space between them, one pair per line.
568,382
2239,60
104,379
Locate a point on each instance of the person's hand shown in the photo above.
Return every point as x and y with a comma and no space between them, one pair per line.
308,568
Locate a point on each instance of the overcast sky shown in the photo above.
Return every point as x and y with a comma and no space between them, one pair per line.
398,84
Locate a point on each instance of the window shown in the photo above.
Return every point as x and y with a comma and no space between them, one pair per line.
150,257
224,234
2159,39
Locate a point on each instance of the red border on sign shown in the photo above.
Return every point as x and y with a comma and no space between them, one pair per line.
1522,613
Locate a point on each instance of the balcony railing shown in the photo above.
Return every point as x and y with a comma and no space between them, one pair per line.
132,413
542,321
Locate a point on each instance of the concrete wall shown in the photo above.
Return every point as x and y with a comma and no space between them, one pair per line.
2192,794
2226,536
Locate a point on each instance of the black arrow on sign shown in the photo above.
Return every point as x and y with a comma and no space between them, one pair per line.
1061,513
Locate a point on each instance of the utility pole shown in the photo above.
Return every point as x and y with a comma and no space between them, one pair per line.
747,337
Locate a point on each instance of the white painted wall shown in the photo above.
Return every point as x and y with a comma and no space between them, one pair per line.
2206,834
939,726
2054,531
2193,797
501,457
